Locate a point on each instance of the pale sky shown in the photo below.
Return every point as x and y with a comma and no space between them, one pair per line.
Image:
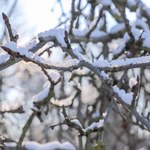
36,15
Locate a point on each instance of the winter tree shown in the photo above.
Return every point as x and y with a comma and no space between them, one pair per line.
83,85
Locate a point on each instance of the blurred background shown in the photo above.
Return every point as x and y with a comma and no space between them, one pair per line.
20,82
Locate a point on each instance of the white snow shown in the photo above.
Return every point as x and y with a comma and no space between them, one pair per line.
54,75
101,63
14,32
78,32
22,50
132,82
59,34
98,34
41,95
122,62
104,75
117,28
136,33
95,125
77,122
142,23
126,97
49,146
78,54
4,58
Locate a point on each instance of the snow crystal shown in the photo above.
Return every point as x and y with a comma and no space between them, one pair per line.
117,28
126,97
95,125
4,58
48,146
59,34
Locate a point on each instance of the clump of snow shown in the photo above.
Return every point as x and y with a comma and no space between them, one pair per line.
77,122
4,58
136,33
54,75
126,97
142,23
78,32
95,125
59,34
132,82
104,75
63,102
22,50
78,54
41,95
70,62
49,146
117,28
98,34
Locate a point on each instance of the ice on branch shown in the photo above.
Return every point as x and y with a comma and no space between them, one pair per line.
59,34
126,97
4,58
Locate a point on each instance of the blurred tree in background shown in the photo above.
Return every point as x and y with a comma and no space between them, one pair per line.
85,81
